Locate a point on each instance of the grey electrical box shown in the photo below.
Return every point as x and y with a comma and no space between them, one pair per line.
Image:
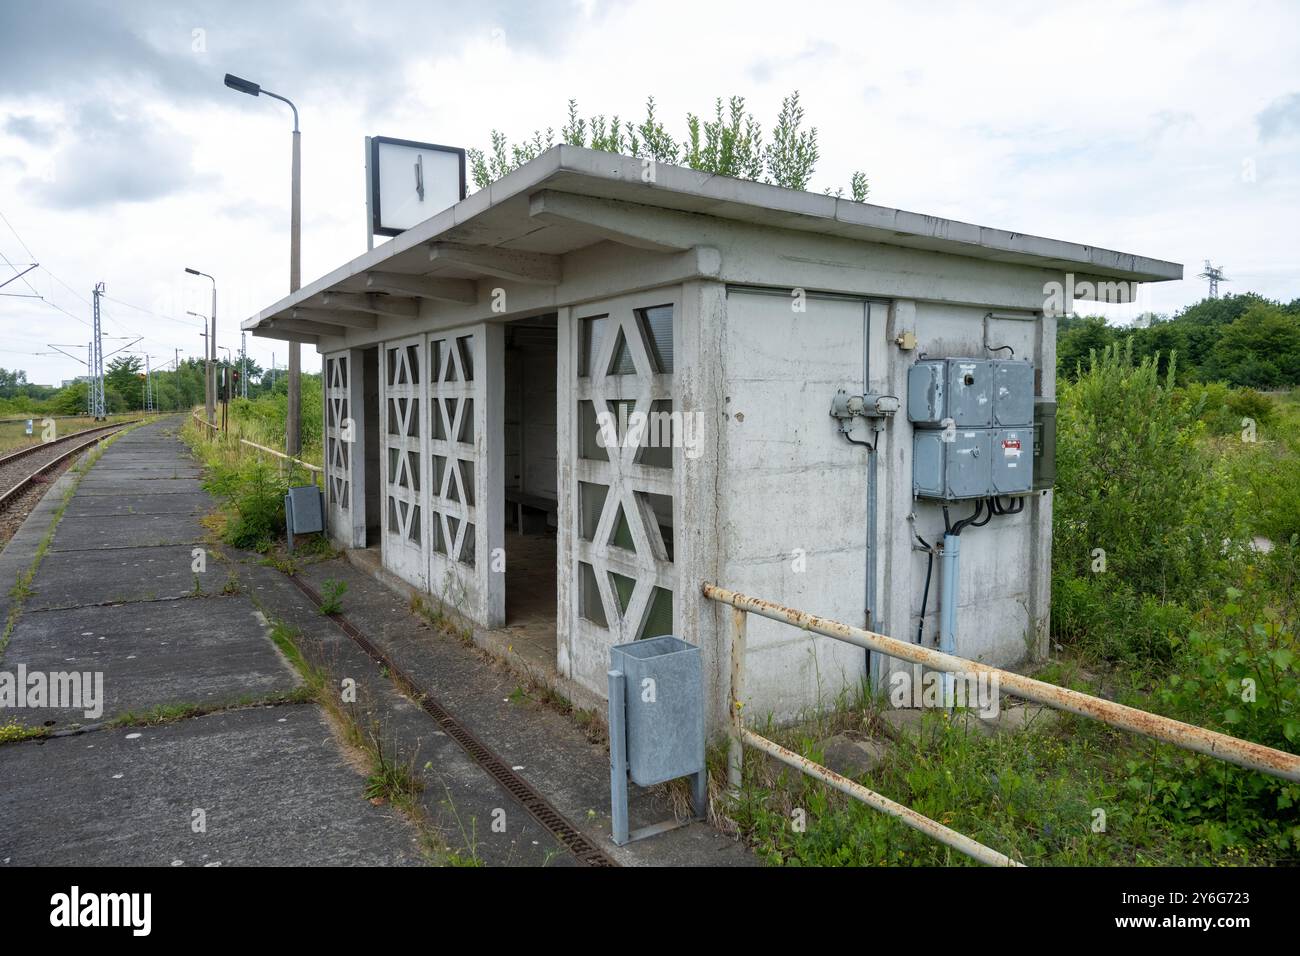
952,465
1012,464
974,427
1013,393
955,388
973,393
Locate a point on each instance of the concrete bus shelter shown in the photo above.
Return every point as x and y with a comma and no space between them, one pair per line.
467,363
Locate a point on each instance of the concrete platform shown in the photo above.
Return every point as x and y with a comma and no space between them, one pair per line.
78,578
207,651
460,798
118,484
196,502
545,747
271,781
82,533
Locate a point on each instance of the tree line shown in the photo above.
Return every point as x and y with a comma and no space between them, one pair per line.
173,389
1246,341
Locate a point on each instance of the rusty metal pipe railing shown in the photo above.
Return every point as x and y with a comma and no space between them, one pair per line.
958,841
740,736
1233,750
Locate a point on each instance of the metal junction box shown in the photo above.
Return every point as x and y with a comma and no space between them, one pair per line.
956,388
1013,393
1012,460
974,428
951,465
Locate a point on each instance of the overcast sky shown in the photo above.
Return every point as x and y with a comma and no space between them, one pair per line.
1166,129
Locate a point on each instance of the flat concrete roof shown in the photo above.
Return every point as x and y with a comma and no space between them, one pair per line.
501,218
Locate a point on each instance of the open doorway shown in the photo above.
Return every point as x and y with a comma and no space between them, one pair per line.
530,486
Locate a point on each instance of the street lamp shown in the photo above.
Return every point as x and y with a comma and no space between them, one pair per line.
293,444
209,383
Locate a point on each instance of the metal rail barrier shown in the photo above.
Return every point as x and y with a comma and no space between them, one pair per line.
1243,753
313,469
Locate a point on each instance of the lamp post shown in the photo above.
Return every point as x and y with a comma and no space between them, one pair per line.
292,430
209,382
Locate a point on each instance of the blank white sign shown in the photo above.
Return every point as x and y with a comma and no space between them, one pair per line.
413,183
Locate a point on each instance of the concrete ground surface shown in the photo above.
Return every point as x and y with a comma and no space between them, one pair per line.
252,785
116,593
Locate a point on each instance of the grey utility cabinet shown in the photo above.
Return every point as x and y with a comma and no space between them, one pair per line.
974,427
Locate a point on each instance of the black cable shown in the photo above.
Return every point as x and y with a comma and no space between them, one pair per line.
925,595
960,525
999,348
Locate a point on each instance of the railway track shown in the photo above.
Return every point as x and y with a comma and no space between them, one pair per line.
22,469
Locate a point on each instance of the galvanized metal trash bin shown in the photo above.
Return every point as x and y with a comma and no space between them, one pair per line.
656,724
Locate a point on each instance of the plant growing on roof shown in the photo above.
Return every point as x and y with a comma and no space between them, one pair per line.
729,144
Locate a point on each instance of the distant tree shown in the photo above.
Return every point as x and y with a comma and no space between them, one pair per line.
70,400
1160,341
1260,349
123,377
1082,336
12,383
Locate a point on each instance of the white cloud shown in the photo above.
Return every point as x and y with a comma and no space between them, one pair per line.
1161,128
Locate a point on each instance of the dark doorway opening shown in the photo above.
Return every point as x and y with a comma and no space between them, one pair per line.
530,485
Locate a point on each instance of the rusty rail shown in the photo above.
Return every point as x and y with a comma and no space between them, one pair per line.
1243,753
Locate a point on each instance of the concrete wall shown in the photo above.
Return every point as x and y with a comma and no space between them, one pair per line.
794,491
793,498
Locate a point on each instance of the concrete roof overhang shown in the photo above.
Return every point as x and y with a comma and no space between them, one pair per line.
568,198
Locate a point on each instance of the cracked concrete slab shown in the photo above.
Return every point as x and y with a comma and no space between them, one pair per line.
79,578
205,651
271,782
82,533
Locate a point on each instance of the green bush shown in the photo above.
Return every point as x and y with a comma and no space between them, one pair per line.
253,492
1108,620
1134,481
1239,674
1221,408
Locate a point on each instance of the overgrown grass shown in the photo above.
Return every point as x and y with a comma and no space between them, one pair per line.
13,434
250,485
14,731
390,778
1075,793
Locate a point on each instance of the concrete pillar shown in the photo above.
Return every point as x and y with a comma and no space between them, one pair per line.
357,448
699,358
490,472
566,490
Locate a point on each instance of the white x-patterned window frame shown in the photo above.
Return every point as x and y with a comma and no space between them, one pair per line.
456,445
339,440
404,452
628,481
